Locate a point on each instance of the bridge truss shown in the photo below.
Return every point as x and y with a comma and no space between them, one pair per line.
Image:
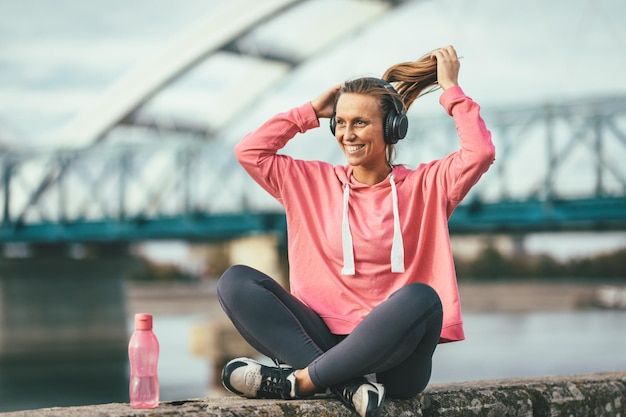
558,167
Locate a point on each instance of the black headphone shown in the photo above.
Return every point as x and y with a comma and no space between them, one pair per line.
396,123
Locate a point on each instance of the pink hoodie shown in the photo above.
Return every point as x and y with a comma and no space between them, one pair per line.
352,245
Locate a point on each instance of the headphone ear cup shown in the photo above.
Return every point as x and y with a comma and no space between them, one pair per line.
333,124
388,128
401,126
396,126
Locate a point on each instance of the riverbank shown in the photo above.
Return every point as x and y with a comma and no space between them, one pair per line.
476,297
520,297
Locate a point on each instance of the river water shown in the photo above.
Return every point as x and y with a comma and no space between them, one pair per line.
534,344
497,346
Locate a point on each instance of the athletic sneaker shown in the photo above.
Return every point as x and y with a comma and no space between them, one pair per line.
361,395
251,379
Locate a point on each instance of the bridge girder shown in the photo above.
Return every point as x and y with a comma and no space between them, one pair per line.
189,188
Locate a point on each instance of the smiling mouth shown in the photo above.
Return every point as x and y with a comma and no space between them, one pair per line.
353,148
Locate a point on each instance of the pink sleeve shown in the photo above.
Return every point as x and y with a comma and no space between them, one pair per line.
257,151
465,167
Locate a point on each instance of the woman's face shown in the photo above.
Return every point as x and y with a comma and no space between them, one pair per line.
359,131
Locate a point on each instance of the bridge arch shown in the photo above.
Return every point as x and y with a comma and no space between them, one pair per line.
227,30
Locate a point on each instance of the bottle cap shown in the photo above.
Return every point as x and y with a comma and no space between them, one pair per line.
143,321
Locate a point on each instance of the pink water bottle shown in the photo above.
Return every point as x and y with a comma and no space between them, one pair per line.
143,354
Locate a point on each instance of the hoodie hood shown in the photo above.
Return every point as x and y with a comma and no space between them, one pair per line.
344,173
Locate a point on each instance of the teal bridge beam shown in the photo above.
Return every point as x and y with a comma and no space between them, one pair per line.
604,214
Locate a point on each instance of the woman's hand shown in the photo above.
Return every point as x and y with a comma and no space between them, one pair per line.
447,67
324,104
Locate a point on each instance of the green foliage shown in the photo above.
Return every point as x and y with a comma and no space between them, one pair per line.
146,271
491,265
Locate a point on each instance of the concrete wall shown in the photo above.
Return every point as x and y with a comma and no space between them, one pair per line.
592,395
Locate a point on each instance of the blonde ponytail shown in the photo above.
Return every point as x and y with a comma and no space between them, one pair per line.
413,79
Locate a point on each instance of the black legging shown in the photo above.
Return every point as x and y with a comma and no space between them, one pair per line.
396,340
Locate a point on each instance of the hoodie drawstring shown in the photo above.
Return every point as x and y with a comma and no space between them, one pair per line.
346,236
397,246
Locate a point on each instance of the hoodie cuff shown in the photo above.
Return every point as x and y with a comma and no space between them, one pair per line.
307,119
450,97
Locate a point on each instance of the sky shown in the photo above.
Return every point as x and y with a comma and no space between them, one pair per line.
57,58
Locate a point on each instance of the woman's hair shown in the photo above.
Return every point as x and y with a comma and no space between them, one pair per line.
413,79
409,80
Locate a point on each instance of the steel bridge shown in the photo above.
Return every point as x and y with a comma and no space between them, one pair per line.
132,174
194,189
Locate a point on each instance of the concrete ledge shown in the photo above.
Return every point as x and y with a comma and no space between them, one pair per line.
572,396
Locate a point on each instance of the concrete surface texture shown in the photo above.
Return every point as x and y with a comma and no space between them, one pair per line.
575,396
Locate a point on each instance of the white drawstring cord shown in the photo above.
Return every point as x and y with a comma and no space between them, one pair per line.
397,246
346,236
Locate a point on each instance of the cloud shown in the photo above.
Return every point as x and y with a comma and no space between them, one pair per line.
513,52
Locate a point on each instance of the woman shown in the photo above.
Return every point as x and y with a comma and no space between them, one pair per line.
373,286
